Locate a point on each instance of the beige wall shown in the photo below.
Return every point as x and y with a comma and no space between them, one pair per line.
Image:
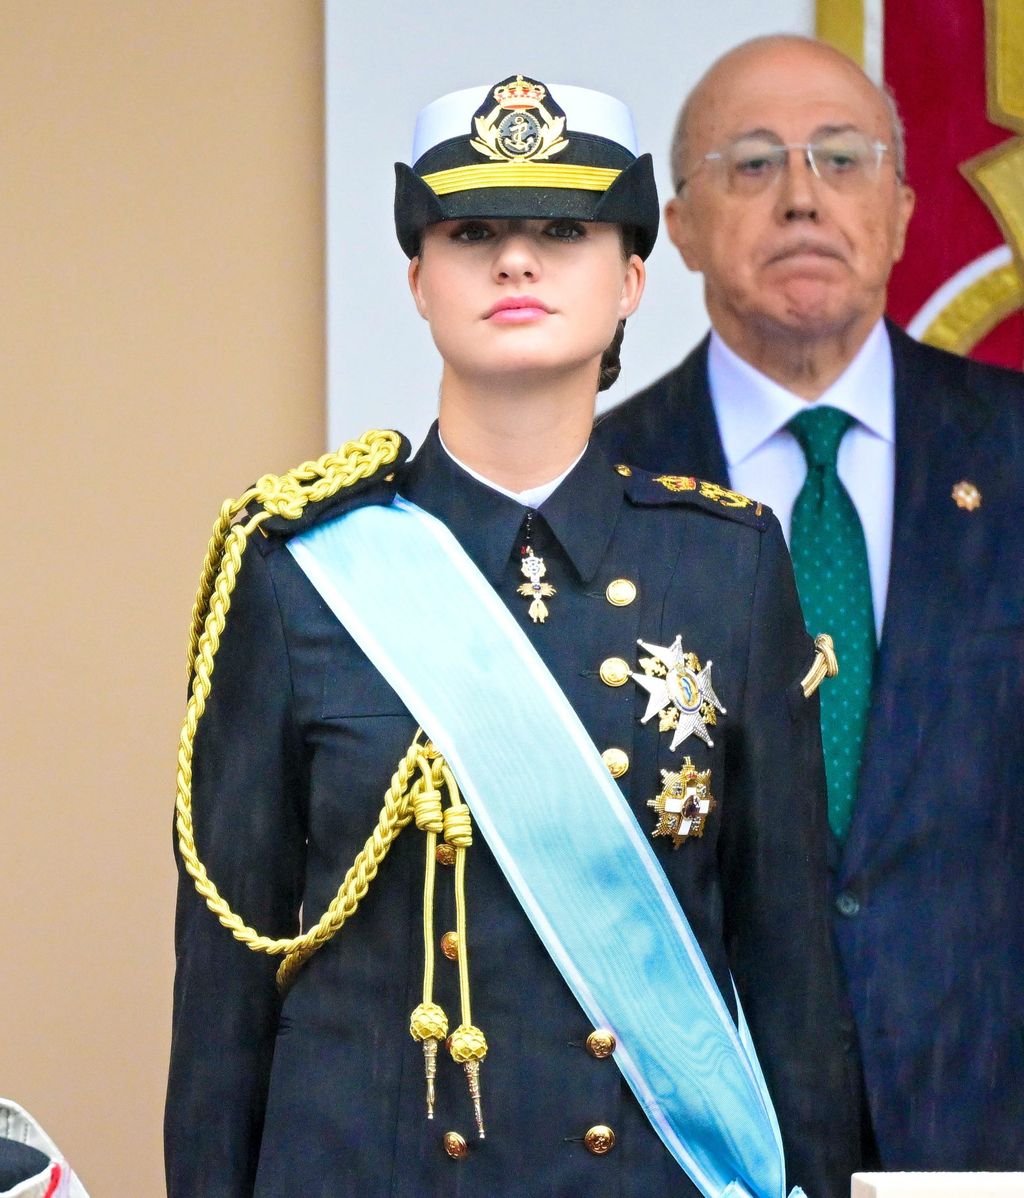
161,344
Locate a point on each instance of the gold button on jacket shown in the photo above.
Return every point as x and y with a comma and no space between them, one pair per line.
455,1146
614,671
600,1043
445,854
616,762
621,592
599,1139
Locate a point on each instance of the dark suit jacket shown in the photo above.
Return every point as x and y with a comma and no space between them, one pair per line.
928,888
322,1094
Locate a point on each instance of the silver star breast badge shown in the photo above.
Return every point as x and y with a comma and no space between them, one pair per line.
680,692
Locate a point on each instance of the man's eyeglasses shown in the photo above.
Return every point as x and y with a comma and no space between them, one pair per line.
847,161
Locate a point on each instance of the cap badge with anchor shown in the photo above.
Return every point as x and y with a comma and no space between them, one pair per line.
512,151
519,127
684,803
680,692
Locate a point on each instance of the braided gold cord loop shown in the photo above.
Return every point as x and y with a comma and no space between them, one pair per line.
285,496
394,816
427,800
458,826
211,564
288,494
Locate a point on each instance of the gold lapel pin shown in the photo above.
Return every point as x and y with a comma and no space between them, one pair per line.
966,495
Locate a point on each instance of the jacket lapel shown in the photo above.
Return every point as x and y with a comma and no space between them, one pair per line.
937,571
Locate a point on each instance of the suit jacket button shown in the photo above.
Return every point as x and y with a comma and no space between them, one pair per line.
620,592
600,1043
450,945
846,904
599,1139
614,671
616,761
455,1146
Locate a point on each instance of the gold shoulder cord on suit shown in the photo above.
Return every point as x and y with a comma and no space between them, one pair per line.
416,786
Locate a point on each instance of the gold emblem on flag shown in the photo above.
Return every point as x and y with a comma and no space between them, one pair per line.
982,301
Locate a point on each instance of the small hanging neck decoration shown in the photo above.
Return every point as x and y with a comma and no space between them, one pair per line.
534,569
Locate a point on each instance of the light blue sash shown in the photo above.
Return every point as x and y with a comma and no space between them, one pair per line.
561,831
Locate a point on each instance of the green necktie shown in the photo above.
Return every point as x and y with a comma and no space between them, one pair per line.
831,564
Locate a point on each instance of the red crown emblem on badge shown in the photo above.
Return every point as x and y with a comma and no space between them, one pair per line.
520,94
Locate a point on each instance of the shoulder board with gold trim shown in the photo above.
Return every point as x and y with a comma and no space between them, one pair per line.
360,473
657,488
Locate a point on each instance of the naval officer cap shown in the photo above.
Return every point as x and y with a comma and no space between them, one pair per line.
523,149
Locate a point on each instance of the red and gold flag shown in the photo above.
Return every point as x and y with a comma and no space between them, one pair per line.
956,69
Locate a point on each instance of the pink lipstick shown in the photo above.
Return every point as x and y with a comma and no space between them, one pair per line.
517,309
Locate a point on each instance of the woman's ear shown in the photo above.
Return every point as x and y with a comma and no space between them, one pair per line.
414,287
632,286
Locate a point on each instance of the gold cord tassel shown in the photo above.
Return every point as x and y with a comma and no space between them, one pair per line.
428,1023
467,1044
468,1048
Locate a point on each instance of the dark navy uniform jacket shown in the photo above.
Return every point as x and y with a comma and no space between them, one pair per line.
322,1092
929,886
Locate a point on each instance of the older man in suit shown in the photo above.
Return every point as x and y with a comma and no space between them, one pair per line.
898,471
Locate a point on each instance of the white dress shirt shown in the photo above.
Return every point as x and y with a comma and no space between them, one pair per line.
532,497
766,462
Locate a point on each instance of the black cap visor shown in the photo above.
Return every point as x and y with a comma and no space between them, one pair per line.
630,201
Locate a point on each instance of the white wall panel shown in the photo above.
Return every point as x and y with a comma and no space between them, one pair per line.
386,61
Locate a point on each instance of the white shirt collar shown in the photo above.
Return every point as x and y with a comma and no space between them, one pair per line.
750,408
532,497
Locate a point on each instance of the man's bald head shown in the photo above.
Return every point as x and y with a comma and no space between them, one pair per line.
728,71
794,207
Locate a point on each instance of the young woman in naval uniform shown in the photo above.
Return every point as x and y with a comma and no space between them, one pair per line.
535,730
